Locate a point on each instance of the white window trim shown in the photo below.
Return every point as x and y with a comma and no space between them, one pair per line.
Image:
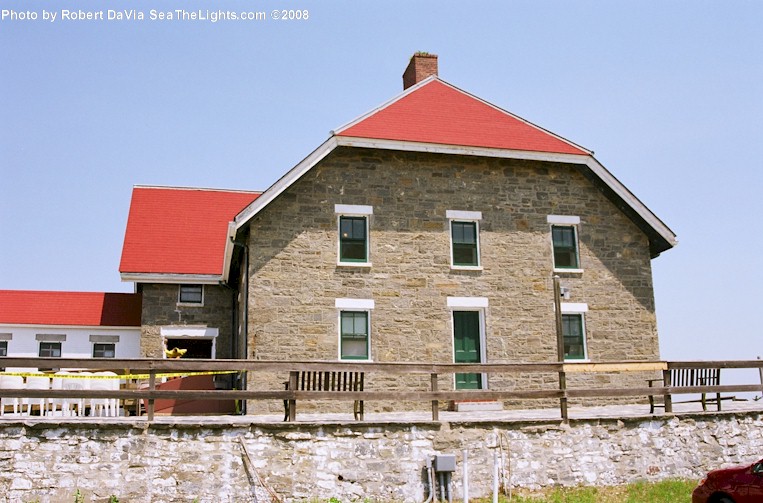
565,221
358,306
354,304
478,304
353,210
467,303
578,308
464,216
192,304
574,307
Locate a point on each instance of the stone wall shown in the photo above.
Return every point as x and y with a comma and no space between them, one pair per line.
160,308
198,461
294,278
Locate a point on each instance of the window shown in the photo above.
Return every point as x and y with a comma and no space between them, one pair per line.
464,237
353,240
104,350
564,238
354,335
565,247
574,336
464,243
191,294
353,223
354,328
50,349
3,348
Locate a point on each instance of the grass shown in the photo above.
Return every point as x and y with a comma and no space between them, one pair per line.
666,491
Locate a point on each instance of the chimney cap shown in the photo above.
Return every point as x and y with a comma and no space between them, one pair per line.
421,66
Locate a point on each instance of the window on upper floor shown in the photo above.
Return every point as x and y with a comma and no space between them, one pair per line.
564,238
464,238
191,294
353,223
3,348
50,349
104,350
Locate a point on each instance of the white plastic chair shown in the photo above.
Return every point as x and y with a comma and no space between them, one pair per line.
57,384
35,382
75,384
104,406
10,382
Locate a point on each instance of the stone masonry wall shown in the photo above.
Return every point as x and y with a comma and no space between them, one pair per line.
198,461
294,278
160,308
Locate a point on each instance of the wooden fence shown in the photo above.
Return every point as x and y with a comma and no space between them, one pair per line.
153,369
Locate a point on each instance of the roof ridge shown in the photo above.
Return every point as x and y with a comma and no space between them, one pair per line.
207,189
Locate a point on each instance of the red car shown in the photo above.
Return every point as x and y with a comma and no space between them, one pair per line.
738,484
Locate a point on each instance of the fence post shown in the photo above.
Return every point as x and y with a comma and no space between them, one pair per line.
293,384
435,403
151,388
560,347
668,400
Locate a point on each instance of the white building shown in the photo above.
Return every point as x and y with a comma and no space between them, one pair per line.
69,324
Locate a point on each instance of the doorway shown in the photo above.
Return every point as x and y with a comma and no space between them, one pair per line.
467,346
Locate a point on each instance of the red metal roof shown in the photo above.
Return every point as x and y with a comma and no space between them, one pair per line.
27,307
436,112
179,231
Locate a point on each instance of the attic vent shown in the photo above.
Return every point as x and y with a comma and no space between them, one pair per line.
421,66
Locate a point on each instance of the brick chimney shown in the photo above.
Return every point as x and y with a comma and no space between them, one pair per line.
421,66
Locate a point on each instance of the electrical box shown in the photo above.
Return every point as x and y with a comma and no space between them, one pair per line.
445,463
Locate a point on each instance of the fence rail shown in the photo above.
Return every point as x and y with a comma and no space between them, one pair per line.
124,368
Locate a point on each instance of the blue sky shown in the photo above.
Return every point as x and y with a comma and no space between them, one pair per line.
668,94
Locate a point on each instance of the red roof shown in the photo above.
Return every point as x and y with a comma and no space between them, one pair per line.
97,309
436,112
179,231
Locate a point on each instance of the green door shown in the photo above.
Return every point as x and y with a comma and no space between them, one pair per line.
466,342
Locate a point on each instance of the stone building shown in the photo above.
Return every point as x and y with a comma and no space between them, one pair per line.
427,230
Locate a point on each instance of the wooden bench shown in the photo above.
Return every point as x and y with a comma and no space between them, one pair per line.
307,380
680,378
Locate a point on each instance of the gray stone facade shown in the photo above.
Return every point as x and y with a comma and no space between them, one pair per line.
162,309
294,279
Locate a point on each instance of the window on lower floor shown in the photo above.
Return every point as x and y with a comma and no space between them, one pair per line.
191,294
573,330
50,349
3,348
104,350
354,340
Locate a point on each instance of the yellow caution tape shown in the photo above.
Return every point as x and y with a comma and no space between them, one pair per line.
116,376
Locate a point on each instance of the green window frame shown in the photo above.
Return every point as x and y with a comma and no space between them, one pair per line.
573,330
50,350
354,335
353,239
465,238
565,240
